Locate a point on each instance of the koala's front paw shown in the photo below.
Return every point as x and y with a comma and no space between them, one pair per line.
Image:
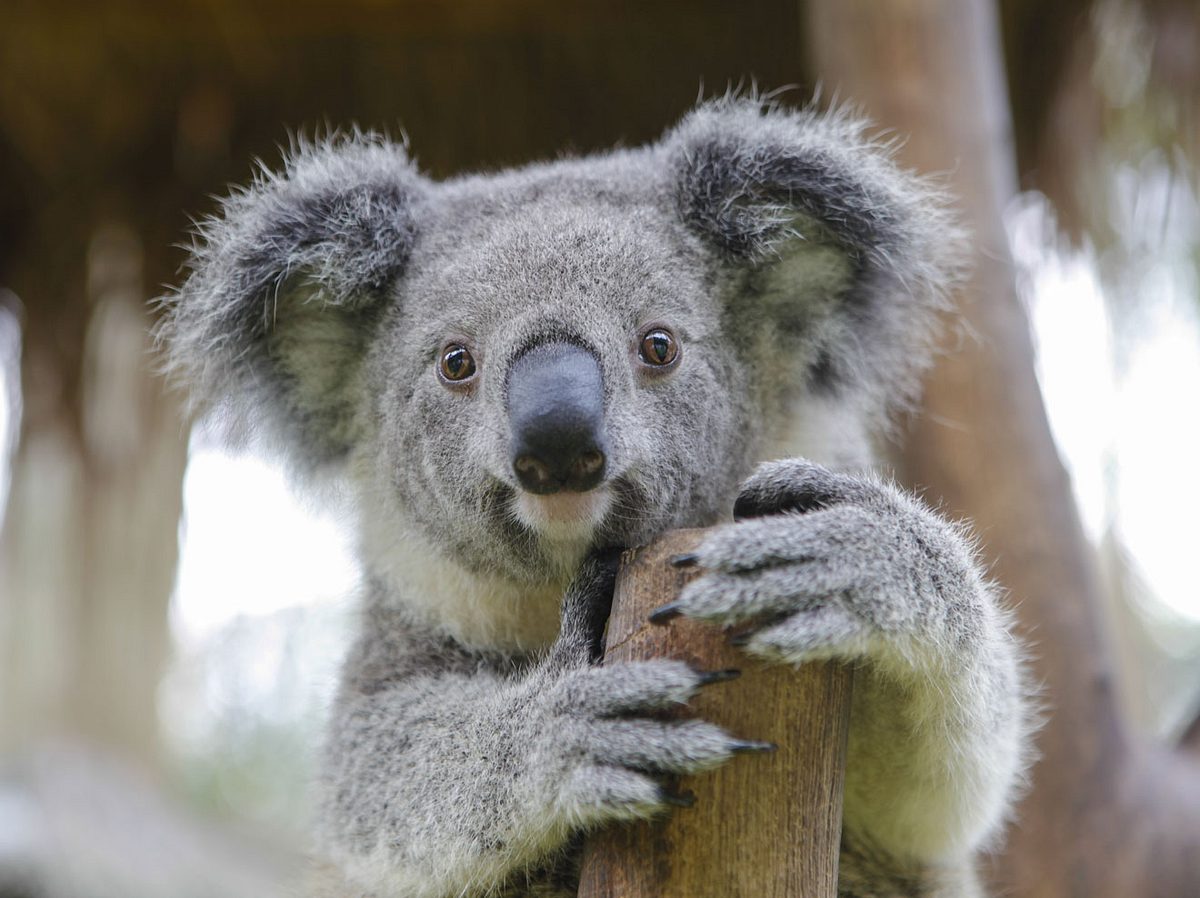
603,739
827,565
611,750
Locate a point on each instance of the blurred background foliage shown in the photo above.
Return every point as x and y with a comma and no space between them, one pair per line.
171,617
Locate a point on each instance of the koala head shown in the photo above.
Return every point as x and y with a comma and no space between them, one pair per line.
520,365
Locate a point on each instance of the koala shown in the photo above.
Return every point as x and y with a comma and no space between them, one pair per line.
512,374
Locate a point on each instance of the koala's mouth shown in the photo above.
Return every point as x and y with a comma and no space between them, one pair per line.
567,516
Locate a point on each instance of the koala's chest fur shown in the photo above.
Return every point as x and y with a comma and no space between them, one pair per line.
477,610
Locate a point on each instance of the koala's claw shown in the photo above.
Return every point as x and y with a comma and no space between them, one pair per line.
719,676
677,799
666,613
751,746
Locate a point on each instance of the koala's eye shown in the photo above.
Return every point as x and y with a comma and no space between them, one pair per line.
658,348
457,363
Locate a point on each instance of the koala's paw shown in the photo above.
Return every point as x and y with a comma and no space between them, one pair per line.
826,565
613,751
602,732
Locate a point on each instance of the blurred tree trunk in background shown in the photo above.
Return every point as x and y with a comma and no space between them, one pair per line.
88,544
1106,816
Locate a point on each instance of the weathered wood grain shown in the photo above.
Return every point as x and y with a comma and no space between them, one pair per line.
763,826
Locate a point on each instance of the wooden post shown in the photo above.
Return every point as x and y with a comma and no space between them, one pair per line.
763,826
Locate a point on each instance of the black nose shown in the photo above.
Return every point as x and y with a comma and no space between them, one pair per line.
556,415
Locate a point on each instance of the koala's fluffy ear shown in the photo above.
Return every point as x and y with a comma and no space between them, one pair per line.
827,240
286,286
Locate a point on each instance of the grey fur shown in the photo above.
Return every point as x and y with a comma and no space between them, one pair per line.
752,183
300,256
474,738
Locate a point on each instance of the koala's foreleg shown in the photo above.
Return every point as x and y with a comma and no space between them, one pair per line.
450,777
828,565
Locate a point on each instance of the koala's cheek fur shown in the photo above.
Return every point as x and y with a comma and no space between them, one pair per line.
686,440
439,465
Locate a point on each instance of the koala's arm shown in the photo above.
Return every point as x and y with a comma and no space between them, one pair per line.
449,774
828,565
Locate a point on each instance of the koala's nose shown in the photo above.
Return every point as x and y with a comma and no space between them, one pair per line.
556,416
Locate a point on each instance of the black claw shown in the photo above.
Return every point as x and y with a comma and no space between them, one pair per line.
746,746
677,799
718,676
667,612
687,559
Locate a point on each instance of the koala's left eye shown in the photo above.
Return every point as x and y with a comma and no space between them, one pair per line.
658,348
457,364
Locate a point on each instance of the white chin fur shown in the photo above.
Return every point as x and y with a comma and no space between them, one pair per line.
564,516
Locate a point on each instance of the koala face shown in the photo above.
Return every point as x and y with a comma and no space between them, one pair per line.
520,366
553,373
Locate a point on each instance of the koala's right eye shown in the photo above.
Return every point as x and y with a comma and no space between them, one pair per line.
457,364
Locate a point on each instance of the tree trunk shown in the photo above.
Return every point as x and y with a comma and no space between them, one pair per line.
1105,816
89,540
